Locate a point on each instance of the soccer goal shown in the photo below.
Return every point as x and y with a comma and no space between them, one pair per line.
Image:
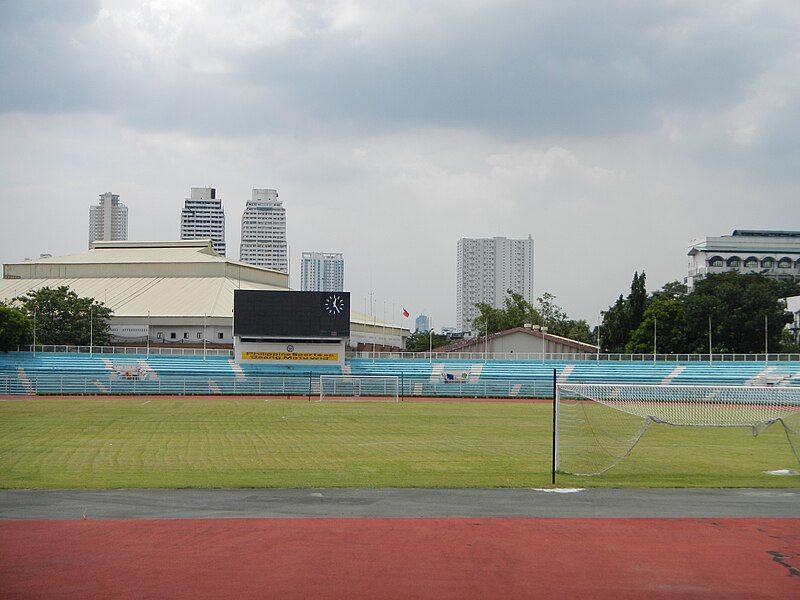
598,425
359,387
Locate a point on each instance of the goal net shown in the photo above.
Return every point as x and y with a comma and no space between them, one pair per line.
598,425
359,387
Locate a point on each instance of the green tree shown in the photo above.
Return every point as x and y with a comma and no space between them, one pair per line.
663,319
624,316
61,317
15,328
517,311
738,306
420,341
637,301
615,330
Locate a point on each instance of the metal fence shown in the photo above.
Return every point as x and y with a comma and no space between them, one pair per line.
583,357
131,350
299,385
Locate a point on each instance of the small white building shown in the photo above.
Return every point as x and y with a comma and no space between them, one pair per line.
521,341
108,220
264,232
203,218
322,272
775,254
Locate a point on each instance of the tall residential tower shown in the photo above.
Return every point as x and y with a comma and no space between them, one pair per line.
203,217
322,272
108,220
264,232
487,269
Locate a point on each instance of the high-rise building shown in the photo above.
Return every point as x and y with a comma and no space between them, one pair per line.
422,323
203,217
264,232
108,220
322,272
775,254
487,269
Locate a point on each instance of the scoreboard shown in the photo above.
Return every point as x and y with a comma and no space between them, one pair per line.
264,313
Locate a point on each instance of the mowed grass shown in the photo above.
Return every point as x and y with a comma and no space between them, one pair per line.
96,443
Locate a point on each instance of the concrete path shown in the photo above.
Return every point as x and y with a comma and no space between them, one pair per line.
401,503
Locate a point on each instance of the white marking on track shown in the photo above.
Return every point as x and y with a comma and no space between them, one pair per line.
146,402
558,490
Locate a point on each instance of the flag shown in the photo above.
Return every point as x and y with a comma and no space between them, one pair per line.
406,314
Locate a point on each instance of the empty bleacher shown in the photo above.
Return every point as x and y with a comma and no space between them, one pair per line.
71,373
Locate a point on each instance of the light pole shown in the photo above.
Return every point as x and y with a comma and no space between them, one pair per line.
485,337
91,331
766,340
655,337
204,336
148,333
34,330
710,356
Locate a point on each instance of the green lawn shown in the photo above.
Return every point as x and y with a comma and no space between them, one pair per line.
252,443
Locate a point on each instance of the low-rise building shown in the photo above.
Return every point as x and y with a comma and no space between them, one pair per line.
775,254
519,340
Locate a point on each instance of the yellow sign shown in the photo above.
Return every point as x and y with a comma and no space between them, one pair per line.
289,356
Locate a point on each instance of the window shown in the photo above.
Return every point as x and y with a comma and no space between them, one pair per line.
186,335
767,263
785,263
160,335
199,336
219,335
734,261
172,335
715,261
751,262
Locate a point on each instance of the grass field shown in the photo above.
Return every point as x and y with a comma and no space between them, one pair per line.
95,443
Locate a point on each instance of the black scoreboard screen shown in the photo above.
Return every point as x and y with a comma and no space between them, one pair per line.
307,314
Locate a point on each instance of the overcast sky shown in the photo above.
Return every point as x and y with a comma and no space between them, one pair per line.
612,132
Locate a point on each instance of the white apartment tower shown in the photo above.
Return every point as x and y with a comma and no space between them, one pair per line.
487,268
108,220
203,217
264,232
322,272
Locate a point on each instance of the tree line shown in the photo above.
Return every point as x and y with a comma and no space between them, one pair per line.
59,317
736,313
723,313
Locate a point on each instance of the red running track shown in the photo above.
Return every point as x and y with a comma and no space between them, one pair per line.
401,558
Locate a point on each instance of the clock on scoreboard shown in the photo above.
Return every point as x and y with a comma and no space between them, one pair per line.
261,313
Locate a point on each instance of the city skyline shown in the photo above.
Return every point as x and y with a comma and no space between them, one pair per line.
396,133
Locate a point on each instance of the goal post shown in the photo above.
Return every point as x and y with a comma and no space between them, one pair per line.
359,387
598,425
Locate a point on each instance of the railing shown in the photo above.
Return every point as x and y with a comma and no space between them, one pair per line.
306,385
435,356
586,357
137,350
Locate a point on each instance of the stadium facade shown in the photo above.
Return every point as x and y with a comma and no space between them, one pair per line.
775,254
172,292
